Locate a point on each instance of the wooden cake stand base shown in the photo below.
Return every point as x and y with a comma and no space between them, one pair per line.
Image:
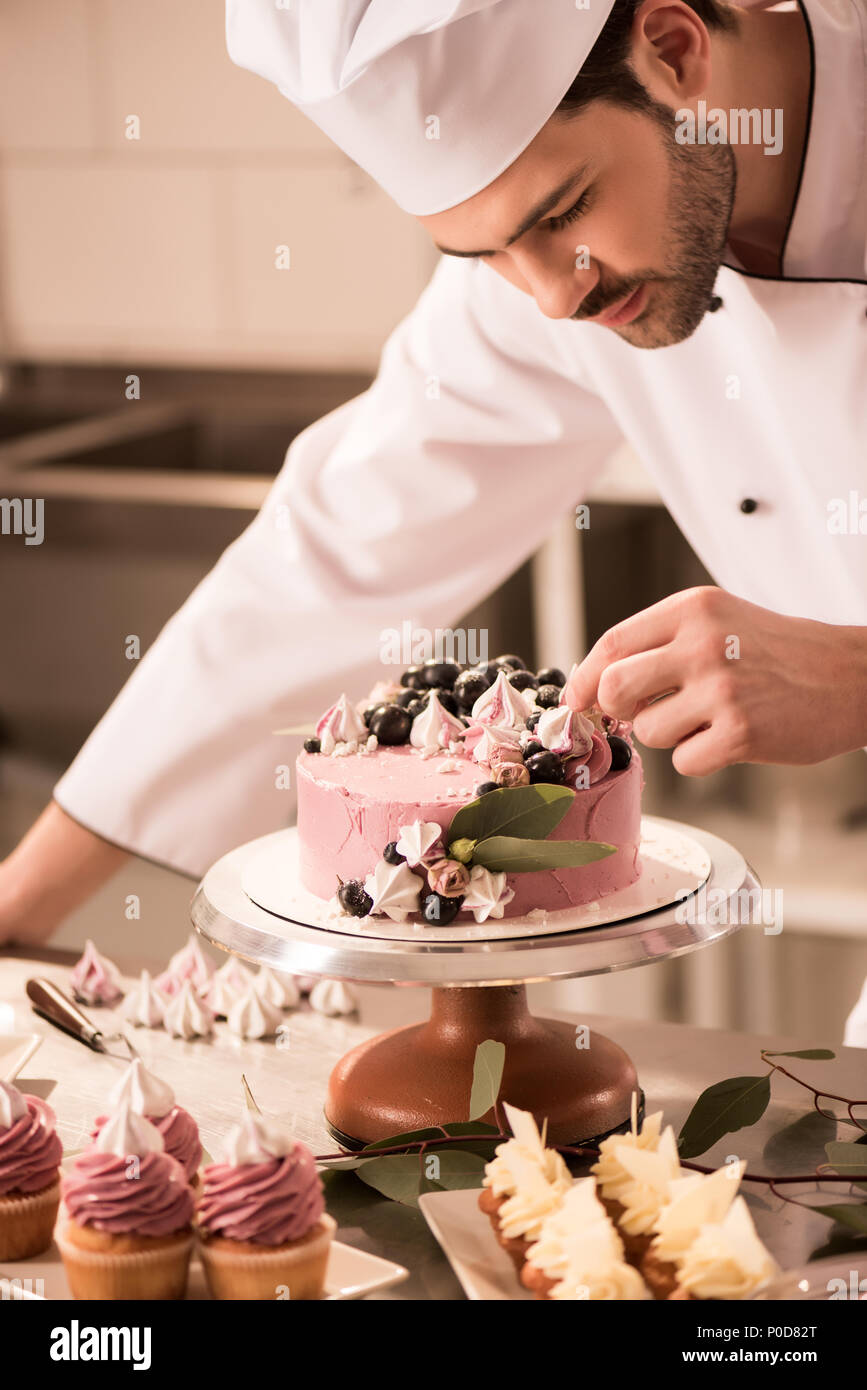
409,1078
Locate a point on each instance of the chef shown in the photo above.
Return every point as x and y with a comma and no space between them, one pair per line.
653,220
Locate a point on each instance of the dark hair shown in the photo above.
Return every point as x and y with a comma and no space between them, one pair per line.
607,72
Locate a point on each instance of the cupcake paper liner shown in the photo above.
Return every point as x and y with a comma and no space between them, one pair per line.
295,1272
27,1222
100,1276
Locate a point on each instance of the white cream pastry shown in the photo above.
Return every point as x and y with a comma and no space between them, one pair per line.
727,1260
333,998
145,1005
187,1016
435,728
533,1200
608,1169
694,1201
234,973
417,839
487,894
501,1174
648,1189
276,989
501,704
597,1273
252,1016
569,1227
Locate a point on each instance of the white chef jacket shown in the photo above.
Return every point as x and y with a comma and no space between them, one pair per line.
485,423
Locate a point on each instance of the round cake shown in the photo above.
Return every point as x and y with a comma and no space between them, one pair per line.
460,793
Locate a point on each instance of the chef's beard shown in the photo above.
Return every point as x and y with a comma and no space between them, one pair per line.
702,191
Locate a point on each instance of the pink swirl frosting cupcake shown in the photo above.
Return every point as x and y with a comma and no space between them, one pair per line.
130,1209
262,1217
155,1100
30,1154
30,1151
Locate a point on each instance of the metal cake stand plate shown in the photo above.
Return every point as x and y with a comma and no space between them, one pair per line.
413,1077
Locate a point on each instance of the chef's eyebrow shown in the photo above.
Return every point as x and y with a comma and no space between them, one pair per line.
541,209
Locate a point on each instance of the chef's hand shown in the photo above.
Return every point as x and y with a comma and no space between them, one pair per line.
740,684
57,866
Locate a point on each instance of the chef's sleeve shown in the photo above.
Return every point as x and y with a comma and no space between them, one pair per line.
408,504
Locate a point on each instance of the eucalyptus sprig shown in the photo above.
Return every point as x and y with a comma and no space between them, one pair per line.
505,831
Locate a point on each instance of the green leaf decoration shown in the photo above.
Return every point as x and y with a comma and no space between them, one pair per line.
506,854
810,1054
394,1175
456,1169
412,1136
853,1214
847,1158
248,1096
528,812
721,1109
475,1127
487,1075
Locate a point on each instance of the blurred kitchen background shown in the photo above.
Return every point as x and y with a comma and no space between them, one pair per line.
153,257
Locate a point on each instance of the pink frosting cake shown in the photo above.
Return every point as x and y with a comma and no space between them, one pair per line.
381,783
350,808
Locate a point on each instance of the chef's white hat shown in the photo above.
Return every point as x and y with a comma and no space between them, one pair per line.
434,98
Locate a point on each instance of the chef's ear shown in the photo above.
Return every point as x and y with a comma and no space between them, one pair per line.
671,51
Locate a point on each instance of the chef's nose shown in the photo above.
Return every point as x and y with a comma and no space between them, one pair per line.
557,283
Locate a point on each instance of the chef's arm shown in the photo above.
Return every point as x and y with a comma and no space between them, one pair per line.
56,867
405,506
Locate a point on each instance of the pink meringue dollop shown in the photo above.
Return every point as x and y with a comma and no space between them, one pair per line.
30,1150
95,979
267,1203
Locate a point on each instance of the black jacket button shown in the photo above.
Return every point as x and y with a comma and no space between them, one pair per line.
716,303
749,504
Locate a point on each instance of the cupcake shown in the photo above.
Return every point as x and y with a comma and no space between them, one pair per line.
30,1154
562,1234
526,1174
149,1096
130,1210
725,1261
694,1201
263,1227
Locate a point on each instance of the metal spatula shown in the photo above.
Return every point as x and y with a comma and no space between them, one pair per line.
49,1001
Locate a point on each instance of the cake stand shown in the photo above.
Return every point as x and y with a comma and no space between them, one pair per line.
410,1078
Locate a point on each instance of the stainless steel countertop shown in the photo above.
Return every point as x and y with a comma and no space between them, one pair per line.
674,1062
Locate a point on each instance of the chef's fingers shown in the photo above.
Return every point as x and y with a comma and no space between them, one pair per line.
668,721
652,627
627,686
706,751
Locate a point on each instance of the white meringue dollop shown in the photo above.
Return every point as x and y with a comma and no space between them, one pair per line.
394,889
565,731
256,1140
13,1106
503,705
487,895
189,963
252,1016
416,840
333,998
145,1093
127,1133
435,727
340,724
145,1005
187,1016
276,989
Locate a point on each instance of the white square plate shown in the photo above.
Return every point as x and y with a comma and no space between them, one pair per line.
470,1246
351,1274
16,1049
